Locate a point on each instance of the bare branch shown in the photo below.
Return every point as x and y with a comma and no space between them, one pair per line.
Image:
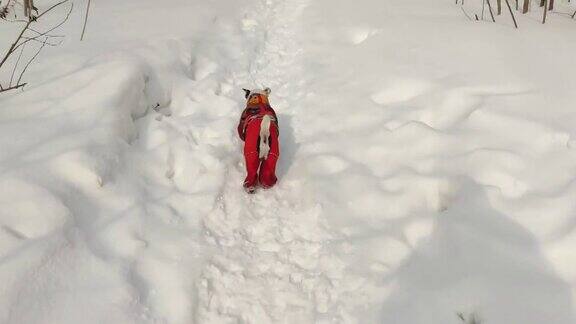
16,66
17,43
512,14
28,34
51,8
51,29
13,87
13,46
85,20
35,39
491,13
49,35
31,60
465,13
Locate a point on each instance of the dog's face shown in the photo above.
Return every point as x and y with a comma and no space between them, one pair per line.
256,96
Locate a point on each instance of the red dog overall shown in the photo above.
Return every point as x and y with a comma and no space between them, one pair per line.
258,128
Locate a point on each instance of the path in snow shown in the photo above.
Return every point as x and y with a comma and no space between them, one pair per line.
267,258
271,262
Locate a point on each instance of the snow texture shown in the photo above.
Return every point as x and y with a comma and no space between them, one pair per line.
427,170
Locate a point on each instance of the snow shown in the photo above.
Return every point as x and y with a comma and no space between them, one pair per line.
427,167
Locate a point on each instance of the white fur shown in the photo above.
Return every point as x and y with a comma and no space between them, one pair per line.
265,136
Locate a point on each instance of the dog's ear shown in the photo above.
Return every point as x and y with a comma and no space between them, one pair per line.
267,91
246,93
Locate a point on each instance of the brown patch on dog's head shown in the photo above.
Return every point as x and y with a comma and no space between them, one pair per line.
257,96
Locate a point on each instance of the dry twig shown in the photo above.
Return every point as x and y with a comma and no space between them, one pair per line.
28,34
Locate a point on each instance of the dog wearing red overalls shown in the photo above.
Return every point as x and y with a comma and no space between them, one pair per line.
258,128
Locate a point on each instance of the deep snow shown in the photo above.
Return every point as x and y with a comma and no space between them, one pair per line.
427,167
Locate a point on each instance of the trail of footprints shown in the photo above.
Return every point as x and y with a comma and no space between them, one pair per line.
272,263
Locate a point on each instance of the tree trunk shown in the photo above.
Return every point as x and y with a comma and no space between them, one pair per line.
27,8
526,6
491,13
551,5
499,5
545,12
512,14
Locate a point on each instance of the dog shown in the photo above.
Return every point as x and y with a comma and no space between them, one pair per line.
258,128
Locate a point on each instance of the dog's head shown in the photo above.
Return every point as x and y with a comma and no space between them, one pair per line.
256,96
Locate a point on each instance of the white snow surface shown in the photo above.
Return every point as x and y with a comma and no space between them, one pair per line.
428,167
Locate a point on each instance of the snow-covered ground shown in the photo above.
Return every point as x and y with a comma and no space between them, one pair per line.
428,167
